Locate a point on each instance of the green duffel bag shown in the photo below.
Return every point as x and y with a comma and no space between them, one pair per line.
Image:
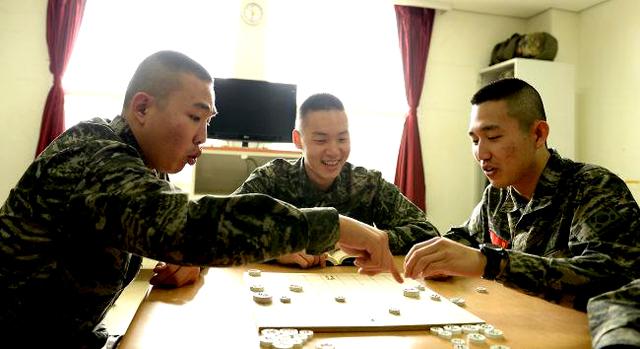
540,45
505,50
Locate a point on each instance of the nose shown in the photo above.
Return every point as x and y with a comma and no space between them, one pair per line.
201,136
333,148
481,151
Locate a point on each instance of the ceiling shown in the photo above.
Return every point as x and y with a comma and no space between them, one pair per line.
513,8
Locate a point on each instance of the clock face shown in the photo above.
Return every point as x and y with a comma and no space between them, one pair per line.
252,13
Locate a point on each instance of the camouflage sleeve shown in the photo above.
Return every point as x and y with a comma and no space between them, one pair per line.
614,317
471,232
403,221
131,209
256,183
602,244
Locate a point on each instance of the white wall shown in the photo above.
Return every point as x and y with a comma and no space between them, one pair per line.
24,67
461,45
609,88
601,42
564,26
250,57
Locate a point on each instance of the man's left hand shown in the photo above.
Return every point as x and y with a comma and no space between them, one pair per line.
172,275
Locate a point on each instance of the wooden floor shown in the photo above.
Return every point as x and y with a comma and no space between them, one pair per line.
121,313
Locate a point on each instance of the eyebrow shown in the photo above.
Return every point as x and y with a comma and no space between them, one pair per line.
324,134
205,107
485,129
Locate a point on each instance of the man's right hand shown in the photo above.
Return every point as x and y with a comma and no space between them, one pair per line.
370,246
303,260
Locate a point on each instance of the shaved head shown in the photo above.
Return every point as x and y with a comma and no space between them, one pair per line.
158,75
523,101
316,102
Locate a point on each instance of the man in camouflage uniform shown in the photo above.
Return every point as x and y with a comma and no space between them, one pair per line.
73,229
614,318
548,226
322,177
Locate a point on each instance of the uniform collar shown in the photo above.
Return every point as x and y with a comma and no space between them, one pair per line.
121,128
545,188
549,181
310,189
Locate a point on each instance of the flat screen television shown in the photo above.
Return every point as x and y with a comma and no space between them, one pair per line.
253,110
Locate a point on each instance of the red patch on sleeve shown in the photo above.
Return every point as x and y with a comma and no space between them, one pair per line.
497,240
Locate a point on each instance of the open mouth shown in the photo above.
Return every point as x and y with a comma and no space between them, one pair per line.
330,163
192,158
489,171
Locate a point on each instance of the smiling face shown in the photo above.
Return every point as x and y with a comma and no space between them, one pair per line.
324,140
171,130
507,154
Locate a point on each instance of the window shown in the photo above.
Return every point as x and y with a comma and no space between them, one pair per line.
116,35
350,49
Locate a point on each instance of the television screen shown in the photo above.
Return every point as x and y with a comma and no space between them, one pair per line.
252,110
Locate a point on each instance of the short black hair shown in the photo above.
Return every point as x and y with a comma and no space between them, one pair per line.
318,101
158,75
523,100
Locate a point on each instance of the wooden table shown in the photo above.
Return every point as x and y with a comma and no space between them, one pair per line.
215,312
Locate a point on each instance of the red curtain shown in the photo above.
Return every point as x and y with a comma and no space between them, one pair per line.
414,32
63,22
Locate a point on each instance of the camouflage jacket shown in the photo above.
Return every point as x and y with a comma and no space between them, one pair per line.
357,193
614,317
73,226
577,237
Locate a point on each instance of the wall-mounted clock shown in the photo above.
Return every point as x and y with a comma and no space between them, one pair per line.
252,13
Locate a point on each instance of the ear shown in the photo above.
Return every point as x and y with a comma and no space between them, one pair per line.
140,103
297,138
540,133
